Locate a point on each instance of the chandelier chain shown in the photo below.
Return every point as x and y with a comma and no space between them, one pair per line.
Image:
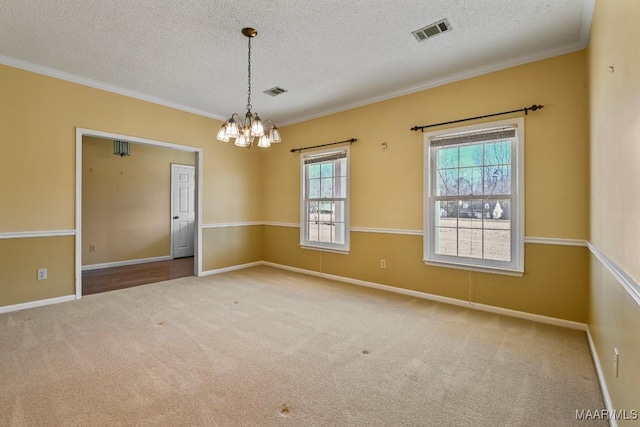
249,79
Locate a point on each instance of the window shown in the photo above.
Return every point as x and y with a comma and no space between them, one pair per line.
325,203
474,201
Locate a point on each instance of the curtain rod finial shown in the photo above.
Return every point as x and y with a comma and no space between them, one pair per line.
534,107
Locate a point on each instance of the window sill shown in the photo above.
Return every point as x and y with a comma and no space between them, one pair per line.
479,269
325,249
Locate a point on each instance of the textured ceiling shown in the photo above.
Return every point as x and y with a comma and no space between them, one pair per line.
330,55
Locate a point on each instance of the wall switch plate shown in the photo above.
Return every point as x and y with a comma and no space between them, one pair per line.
616,361
383,263
42,274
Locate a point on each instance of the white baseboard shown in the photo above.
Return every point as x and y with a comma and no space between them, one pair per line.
453,301
294,269
417,294
232,268
127,262
34,304
600,373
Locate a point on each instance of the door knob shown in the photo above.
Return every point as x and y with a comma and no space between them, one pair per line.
176,217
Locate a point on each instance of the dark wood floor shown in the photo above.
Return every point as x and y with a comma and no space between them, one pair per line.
110,279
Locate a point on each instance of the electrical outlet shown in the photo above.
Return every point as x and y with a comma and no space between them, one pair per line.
42,274
92,248
616,361
383,263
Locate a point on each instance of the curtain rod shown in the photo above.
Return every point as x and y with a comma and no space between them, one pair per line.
350,141
534,107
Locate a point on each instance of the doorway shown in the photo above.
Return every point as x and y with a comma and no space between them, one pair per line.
192,230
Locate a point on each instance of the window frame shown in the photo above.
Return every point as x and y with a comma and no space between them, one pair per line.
517,196
324,246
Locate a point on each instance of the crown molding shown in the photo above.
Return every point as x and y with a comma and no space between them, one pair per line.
62,75
464,75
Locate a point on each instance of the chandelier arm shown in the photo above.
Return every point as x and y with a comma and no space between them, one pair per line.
237,118
264,122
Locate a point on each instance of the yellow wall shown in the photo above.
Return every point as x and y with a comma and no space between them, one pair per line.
387,188
126,201
386,185
231,246
566,197
40,115
38,118
615,182
20,261
614,322
615,130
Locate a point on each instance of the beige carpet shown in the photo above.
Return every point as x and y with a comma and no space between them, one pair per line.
264,347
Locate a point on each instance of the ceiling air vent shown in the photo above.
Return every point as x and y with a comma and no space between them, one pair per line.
432,30
275,91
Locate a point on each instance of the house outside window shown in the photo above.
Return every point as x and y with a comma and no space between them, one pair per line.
325,201
474,197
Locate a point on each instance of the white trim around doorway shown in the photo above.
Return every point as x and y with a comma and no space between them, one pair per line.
81,132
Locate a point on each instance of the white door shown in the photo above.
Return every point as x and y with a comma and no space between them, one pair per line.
183,209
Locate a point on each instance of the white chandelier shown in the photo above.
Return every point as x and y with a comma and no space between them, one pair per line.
245,131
